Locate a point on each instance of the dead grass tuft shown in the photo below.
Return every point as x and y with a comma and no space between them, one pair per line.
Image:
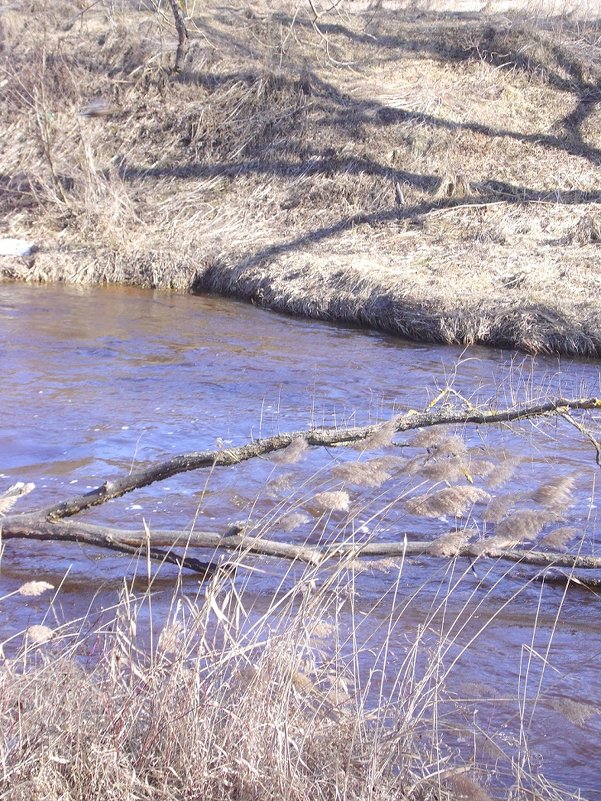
451,470
587,231
369,473
500,505
503,471
556,494
449,544
330,501
456,501
381,437
519,527
293,453
293,520
558,539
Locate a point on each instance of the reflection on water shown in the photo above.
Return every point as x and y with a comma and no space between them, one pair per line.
97,381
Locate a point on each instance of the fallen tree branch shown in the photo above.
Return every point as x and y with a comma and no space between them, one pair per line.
31,527
319,437
49,523
134,541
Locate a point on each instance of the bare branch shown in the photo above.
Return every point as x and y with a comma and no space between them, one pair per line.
316,437
132,541
49,523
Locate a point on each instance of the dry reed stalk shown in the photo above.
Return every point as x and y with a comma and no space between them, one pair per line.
228,706
456,501
558,539
556,494
449,544
368,473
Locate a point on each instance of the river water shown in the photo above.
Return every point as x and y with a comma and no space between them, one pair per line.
98,380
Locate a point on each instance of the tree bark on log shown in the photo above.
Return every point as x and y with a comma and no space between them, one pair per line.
49,523
134,541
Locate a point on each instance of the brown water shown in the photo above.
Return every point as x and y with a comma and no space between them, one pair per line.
95,381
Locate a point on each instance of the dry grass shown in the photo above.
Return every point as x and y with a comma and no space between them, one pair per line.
434,175
311,695
217,702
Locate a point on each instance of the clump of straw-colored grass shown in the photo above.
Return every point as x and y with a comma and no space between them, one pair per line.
515,529
330,501
369,473
556,494
222,706
293,453
456,501
503,471
381,437
449,544
558,539
451,470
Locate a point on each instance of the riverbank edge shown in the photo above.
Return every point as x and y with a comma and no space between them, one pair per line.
347,295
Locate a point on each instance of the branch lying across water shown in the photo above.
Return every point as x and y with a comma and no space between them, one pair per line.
318,437
49,523
136,541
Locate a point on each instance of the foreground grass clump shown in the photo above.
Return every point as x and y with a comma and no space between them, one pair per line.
219,702
205,711
431,174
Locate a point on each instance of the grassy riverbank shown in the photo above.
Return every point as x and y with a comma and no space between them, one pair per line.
216,701
428,173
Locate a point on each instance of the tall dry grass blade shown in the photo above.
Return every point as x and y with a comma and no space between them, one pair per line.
456,501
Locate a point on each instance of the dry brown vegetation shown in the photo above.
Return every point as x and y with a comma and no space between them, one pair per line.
214,702
313,695
431,174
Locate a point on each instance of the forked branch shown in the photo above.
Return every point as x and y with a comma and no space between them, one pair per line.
50,524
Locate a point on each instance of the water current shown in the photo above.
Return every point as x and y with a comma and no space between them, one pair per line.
98,381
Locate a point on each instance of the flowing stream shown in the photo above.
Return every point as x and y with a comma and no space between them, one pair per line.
98,380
